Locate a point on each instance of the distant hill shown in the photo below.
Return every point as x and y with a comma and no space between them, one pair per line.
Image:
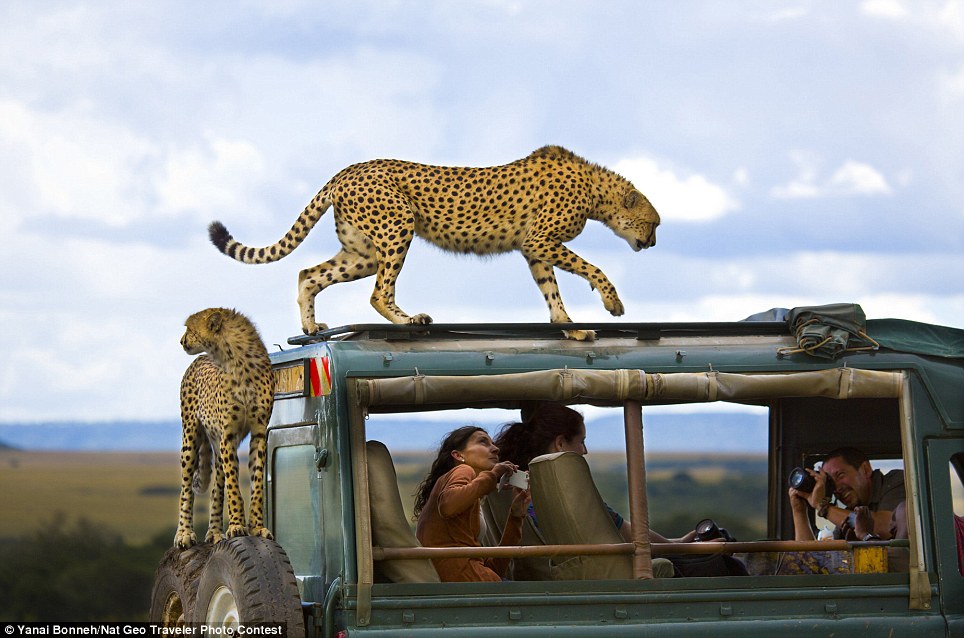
98,436
701,432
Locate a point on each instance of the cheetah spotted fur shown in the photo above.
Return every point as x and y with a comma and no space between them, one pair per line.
532,205
226,394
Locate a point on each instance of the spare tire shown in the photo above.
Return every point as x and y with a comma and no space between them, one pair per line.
175,585
249,580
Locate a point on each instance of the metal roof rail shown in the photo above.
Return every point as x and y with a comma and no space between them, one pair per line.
637,331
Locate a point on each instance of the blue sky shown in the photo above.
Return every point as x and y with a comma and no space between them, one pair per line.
798,152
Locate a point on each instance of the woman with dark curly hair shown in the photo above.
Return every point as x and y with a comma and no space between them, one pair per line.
466,468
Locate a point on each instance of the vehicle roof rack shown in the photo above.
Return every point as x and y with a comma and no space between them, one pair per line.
638,331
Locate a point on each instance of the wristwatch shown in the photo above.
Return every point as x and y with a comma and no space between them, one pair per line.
823,507
871,537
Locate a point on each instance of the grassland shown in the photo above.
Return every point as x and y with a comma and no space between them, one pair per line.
136,494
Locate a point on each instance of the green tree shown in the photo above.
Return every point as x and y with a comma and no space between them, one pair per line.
77,572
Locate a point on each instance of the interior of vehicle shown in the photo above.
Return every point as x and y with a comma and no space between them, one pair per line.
809,414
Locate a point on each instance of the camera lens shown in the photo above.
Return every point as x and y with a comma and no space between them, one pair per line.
799,479
707,530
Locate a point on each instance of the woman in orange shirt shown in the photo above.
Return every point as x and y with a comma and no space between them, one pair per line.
466,468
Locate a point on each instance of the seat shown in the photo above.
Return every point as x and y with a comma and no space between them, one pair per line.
495,512
570,511
389,525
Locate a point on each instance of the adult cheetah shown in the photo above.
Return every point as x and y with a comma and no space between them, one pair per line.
532,205
225,394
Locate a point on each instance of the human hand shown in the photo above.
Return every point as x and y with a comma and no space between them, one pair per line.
520,503
863,521
688,537
798,501
819,492
504,467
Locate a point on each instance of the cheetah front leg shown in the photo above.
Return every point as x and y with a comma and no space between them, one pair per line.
546,280
551,252
390,262
256,461
230,438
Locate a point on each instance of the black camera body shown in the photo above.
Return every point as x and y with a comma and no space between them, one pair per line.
708,530
801,480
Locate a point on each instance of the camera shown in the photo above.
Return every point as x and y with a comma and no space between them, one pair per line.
708,530
800,479
518,479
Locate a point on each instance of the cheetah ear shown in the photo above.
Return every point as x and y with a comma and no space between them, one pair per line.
631,199
215,321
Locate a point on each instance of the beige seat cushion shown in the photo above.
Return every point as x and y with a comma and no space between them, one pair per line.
389,525
495,511
570,511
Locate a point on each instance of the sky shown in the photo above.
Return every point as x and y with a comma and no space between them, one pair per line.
798,152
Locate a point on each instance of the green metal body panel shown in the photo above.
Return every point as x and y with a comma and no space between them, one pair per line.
309,441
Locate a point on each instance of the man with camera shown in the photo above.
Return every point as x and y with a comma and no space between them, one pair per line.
846,473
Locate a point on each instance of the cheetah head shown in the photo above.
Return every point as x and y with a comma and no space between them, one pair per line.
635,220
202,330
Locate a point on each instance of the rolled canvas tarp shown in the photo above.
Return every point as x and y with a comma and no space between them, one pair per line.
614,387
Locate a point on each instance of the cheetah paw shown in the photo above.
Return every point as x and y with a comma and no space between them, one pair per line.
261,532
214,536
235,530
580,335
310,328
185,539
420,319
614,306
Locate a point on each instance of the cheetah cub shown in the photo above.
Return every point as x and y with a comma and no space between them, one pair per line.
226,394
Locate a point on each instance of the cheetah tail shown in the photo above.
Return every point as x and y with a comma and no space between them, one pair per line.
224,242
202,479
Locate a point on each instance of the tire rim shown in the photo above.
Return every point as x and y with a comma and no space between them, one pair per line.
223,609
173,613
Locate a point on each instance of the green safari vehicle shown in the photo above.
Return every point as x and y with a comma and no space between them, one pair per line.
345,561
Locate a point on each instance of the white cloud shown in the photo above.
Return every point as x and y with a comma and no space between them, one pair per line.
222,174
852,178
950,85
71,164
692,198
856,178
945,18
951,17
786,14
884,8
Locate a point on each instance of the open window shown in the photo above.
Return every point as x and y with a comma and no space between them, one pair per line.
789,398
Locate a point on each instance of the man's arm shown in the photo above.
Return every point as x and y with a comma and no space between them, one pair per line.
801,523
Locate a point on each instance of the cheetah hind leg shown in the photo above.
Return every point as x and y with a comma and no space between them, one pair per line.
184,536
215,533
348,265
